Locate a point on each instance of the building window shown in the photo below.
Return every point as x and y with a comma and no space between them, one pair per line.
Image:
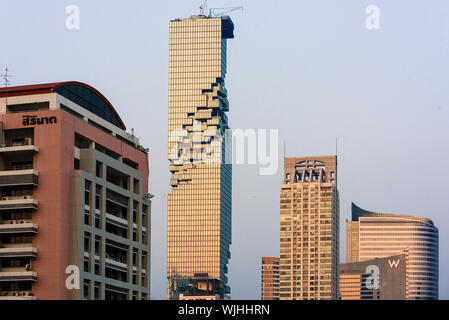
136,187
97,290
99,169
76,164
86,289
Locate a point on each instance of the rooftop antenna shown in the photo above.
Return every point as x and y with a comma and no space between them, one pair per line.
203,8
336,147
285,148
5,76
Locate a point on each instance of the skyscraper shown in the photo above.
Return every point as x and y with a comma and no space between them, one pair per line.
377,235
309,245
72,196
270,278
199,205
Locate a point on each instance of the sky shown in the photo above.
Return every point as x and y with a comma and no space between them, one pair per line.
310,69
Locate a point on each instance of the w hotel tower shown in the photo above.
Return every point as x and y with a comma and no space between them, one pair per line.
199,206
74,215
309,247
373,235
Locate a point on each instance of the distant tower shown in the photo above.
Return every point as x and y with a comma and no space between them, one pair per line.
375,279
270,278
199,205
377,235
309,249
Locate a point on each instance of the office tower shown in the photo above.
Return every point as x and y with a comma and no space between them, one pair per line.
309,229
199,205
270,278
377,279
72,197
377,235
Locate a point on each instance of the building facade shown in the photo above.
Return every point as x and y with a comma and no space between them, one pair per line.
270,278
199,205
74,218
202,287
373,235
377,279
309,232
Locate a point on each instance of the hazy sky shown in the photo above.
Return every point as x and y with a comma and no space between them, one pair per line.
308,68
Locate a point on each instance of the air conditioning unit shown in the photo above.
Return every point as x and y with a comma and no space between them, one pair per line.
12,222
5,198
28,141
27,197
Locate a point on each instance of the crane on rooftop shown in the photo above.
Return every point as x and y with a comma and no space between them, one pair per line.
216,13
203,8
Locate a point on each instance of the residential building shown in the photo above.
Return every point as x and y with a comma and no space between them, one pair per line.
74,213
309,229
270,278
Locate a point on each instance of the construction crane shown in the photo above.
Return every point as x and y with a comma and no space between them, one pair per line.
203,8
215,13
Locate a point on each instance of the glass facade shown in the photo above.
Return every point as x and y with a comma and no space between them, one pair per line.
88,99
377,235
199,205
309,229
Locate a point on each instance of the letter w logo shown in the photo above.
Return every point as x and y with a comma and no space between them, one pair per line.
394,263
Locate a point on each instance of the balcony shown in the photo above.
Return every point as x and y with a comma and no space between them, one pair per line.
12,251
119,222
17,226
19,176
18,202
144,229
17,295
144,271
22,146
117,264
18,276
116,256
